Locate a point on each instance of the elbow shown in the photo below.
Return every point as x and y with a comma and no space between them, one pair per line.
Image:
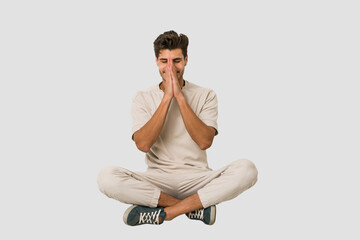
206,142
205,145
143,147
140,144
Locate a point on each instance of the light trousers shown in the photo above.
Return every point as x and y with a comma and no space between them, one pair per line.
144,188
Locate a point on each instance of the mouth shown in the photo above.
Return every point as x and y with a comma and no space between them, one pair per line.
176,72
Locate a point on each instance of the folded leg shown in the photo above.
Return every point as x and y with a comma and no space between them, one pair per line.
230,181
129,187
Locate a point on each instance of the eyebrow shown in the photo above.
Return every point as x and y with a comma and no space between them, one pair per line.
167,59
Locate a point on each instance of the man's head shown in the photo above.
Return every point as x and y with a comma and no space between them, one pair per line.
170,46
171,40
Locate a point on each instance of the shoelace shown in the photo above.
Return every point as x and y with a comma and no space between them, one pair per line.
150,217
197,214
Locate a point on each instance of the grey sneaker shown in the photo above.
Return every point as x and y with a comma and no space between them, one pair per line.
207,215
138,215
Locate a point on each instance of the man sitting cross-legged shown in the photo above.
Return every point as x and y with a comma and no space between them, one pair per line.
174,122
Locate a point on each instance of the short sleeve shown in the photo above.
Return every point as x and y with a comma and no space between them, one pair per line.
140,115
209,111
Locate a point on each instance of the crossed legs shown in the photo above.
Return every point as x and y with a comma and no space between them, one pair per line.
175,207
197,190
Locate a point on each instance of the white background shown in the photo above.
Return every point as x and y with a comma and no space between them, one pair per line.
286,74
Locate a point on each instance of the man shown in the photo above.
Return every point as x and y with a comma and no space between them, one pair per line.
174,122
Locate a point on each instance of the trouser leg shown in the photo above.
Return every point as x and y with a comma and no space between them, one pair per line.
230,181
128,187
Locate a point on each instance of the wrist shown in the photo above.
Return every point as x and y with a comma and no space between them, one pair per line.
180,96
166,98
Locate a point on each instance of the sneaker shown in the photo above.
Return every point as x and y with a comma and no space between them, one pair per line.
207,215
138,215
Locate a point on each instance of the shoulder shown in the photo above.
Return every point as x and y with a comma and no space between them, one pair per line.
147,93
195,89
192,87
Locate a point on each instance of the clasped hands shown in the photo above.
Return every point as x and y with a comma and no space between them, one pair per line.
171,83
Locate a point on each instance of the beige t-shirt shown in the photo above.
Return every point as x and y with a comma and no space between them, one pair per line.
175,149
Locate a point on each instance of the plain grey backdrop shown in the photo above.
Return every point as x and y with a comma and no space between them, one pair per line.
286,74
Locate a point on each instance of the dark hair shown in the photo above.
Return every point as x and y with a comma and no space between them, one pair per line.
171,40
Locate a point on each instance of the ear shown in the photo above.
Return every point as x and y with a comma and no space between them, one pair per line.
186,60
156,61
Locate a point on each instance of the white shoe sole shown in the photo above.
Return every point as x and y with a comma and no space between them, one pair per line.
212,215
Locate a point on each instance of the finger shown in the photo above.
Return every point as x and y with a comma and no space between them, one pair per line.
168,76
168,70
174,79
170,67
172,73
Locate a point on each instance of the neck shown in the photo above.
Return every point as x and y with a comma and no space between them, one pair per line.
182,84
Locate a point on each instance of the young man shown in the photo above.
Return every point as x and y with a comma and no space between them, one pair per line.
174,122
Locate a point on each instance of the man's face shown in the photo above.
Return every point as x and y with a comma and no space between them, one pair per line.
178,62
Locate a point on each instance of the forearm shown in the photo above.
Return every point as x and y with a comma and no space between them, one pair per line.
202,134
146,136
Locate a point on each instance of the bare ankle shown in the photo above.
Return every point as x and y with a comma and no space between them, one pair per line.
166,200
169,214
